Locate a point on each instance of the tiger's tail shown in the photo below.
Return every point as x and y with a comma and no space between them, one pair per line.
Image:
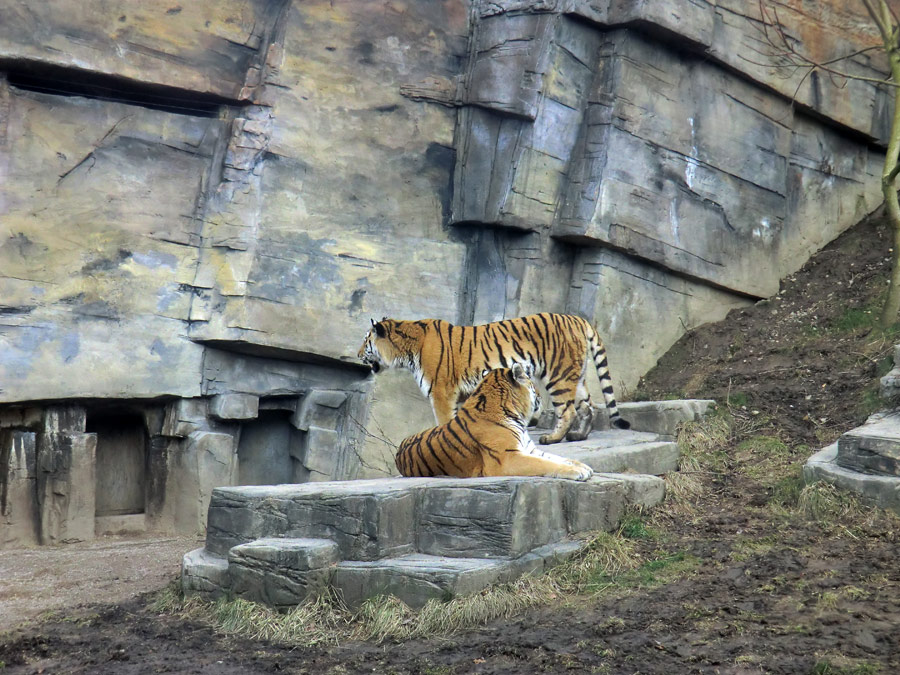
598,352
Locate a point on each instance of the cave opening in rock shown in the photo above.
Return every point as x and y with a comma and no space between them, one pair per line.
267,449
121,462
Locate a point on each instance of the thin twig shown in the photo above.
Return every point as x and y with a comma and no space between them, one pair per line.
370,434
775,35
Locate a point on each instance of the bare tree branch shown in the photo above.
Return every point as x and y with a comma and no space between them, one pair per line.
882,27
776,37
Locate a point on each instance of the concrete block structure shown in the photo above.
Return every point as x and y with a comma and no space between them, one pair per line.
417,539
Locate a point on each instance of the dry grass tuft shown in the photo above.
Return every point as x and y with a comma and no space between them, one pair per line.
833,507
703,445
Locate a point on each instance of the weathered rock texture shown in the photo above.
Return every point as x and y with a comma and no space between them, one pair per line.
417,538
202,205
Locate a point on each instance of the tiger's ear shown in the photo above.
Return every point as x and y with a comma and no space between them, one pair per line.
518,373
379,328
484,373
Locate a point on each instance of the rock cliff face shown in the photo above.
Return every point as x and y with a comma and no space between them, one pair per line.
202,204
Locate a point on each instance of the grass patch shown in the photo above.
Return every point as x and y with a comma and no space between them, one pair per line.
738,399
834,508
827,668
745,548
661,570
787,489
855,318
703,446
606,556
764,447
634,527
870,402
762,458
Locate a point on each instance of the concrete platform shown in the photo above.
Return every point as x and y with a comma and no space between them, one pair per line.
880,490
617,450
418,538
873,447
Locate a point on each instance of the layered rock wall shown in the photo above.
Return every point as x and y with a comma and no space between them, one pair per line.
203,204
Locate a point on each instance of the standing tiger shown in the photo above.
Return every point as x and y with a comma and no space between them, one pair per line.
488,436
447,362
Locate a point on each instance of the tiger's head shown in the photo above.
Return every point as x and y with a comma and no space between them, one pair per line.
510,390
390,343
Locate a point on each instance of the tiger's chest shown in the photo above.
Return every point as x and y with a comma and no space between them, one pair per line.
526,445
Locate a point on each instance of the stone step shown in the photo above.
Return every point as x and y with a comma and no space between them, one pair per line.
662,417
880,490
281,572
872,448
657,417
433,537
389,518
416,579
617,451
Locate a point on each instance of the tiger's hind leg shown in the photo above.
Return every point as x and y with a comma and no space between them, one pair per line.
516,463
584,422
564,420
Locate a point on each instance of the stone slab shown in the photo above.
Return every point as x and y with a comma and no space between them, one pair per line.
873,447
205,573
66,483
663,417
297,554
641,490
184,416
234,407
617,451
595,504
368,519
281,572
416,578
19,516
883,491
488,518
889,385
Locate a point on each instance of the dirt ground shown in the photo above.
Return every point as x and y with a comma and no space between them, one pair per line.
768,589
38,581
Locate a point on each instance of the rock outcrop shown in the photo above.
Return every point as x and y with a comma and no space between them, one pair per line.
203,204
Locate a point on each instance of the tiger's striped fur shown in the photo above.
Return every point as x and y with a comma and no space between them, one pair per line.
488,436
447,362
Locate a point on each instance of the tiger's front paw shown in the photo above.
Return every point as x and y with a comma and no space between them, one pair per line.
547,439
581,471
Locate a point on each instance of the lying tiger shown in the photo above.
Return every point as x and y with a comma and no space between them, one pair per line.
447,362
488,436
